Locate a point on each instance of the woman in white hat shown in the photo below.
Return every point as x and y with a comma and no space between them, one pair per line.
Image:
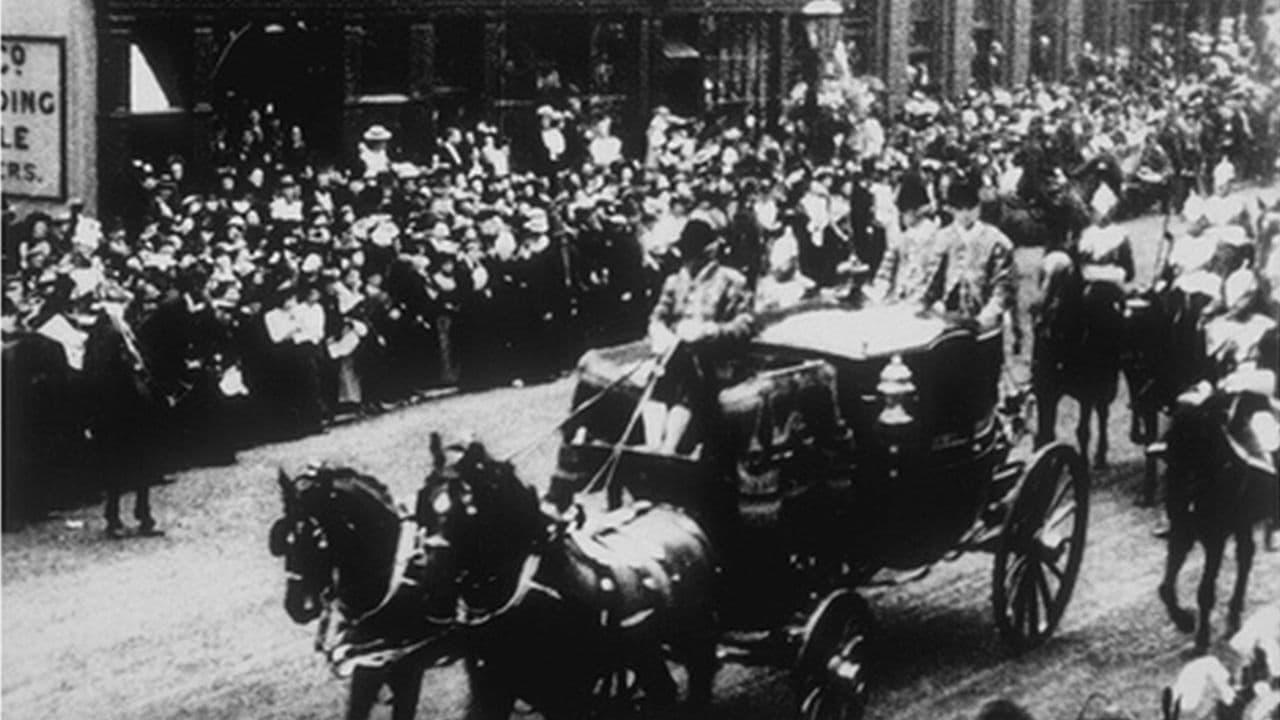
373,151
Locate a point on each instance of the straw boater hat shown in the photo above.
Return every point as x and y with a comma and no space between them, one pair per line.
536,221
377,133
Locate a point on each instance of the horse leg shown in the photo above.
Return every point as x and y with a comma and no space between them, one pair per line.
699,650
1150,466
1103,408
405,681
111,511
1176,550
1214,548
1082,427
142,507
652,674
1046,417
1244,563
365,684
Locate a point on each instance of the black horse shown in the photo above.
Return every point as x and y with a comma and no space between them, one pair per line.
129,419
341,539
573,622
43,432
1221,483
1162,354
1078,331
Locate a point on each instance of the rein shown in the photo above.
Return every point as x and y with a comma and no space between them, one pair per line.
578,411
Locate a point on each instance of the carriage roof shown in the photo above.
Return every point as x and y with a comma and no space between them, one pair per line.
839,333
853,334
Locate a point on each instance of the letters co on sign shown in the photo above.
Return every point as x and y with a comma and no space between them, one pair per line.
33,117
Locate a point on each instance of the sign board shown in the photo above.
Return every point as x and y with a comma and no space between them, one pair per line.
33,117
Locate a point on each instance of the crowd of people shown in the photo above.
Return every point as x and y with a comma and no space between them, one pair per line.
317,288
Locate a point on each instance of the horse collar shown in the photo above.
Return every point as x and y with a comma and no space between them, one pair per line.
470,617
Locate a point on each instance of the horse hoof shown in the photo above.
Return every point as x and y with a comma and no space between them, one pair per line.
1233,624
1100,463
1182,619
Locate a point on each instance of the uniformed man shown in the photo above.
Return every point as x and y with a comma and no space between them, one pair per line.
902,273
1241,344
703,311
972,273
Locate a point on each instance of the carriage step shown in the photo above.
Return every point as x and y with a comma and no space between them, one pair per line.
759,647
1157,449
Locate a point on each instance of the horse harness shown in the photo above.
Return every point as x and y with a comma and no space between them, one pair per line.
334,633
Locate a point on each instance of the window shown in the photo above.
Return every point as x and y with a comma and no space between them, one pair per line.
384,59
160,61
146,95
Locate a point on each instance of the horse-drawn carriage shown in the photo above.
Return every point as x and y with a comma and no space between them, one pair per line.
849,445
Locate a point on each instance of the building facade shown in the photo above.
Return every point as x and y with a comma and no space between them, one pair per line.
48,139
150,78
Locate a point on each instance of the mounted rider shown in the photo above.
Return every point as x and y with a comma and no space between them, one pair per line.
1217,241
1238,391
1241,345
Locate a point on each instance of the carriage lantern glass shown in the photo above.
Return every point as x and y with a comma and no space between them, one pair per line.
897,389
822,24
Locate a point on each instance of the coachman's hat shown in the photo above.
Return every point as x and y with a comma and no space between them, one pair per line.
912,194
696,237
963,193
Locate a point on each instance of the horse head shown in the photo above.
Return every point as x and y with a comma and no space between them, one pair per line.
478,513
337,535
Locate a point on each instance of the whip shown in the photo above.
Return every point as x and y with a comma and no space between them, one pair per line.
578,411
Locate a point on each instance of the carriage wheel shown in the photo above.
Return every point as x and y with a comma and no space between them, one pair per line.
830,670
1041,547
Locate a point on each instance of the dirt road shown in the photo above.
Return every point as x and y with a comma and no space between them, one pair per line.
191,625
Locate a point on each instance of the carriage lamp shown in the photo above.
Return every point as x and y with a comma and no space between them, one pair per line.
897,389
1266,430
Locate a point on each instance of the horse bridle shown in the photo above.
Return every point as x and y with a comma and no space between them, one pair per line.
467,615
285,534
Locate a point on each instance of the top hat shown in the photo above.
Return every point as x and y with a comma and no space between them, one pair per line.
377,133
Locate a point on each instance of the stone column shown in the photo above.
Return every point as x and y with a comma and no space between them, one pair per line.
113,119
419,117
1018,43
894,31
644,63
205,59
422,59
495,30
1071,39
957,50
352,49
352,52
786,56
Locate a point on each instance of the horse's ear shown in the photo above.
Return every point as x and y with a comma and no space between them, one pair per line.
475,452
286,486
437,451
1168,708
